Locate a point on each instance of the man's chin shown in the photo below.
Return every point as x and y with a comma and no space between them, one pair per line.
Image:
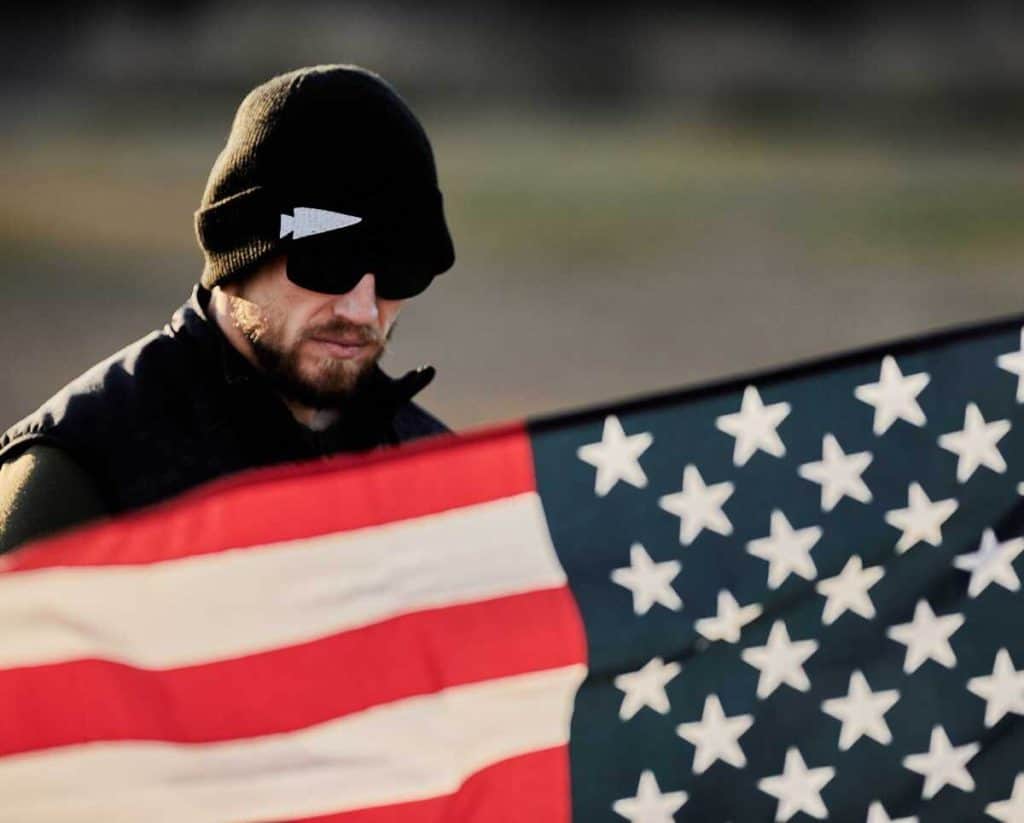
338,379
317,381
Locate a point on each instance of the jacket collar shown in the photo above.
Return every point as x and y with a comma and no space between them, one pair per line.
383,392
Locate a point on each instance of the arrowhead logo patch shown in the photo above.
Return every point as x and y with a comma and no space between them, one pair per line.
309,221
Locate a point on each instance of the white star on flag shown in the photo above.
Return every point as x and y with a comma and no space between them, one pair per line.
943,764
729,621
787,550
798,789
646,687
754,427
975,444
649,582
1002,691
616,457
927,637
715,736
862,712
991,563
848,591
894,396
1013,362
649,805
838,474
698,506
878,814
922,519
780,661
1010,810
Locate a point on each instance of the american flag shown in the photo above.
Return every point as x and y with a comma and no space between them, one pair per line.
790,596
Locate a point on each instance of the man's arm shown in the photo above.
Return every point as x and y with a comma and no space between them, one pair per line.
42,491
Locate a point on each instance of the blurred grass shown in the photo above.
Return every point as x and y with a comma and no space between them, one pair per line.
524,188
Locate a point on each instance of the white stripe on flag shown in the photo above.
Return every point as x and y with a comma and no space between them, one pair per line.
237,602
412,749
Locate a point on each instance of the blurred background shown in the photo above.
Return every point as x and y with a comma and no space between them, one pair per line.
641,197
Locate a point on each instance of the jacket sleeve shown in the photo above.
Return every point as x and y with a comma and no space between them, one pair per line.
44,490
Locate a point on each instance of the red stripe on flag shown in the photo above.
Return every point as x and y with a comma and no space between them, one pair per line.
305,500
530,788
293,687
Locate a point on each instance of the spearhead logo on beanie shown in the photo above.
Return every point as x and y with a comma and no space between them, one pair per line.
309,221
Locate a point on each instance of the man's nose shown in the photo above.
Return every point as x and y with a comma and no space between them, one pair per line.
359,304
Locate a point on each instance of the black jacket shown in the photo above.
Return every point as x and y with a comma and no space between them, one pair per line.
181,406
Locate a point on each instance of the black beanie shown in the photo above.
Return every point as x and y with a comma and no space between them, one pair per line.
334,137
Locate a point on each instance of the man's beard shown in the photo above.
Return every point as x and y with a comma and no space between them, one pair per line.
337,380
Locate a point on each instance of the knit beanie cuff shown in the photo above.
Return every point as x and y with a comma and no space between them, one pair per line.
236,233
243,230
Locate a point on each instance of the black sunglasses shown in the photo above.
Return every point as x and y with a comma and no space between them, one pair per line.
403,261
338,276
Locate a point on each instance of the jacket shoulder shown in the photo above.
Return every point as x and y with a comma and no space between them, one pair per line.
43,490
101,401
412,421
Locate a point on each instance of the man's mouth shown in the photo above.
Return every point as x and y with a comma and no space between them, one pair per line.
342,346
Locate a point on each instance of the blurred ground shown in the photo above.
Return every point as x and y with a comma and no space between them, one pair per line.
602,250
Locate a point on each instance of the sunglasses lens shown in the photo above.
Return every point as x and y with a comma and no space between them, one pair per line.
331,265
399,284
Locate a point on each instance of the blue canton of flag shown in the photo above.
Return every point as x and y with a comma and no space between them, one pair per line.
801,591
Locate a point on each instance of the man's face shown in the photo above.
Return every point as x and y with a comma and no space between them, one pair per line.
316,348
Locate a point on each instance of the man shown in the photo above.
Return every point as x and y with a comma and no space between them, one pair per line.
321,216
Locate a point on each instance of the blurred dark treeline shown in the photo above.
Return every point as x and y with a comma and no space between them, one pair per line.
854,64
